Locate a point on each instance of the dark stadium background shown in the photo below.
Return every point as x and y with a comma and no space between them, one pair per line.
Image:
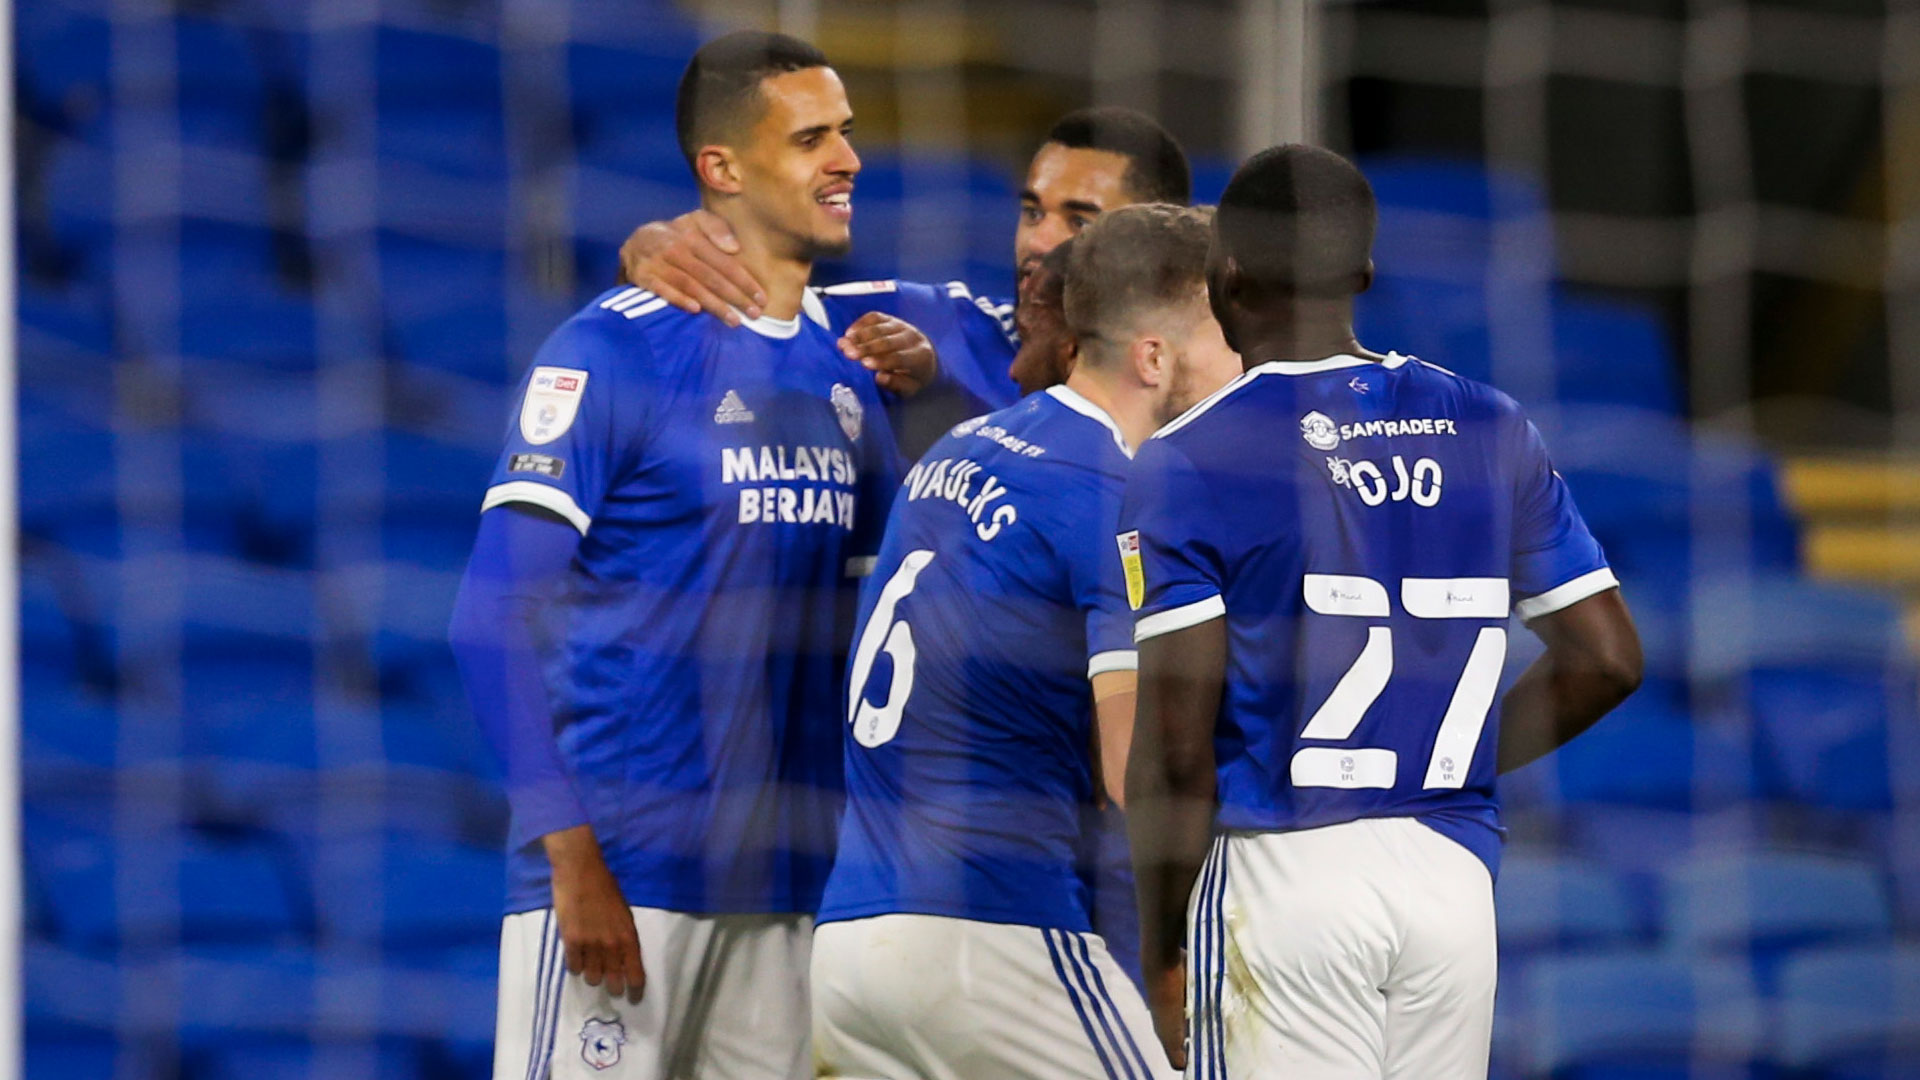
279,263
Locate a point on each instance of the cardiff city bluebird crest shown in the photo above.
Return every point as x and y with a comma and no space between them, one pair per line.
600,1042
846,406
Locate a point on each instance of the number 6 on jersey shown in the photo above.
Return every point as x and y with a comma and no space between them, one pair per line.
876,725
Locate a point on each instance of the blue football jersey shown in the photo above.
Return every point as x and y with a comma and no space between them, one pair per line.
1366,529
995,599
973,336
726,482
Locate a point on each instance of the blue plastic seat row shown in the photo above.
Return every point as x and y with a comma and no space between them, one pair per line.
1762,906
1839,1012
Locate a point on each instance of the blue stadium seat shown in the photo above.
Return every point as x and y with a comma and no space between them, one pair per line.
443,303
419,69
77,185
290,1059
1613,353
442,737
223,889
1765,903
432,893
68,720
220,87
1647,753
1548,902
78,1056
428,478
63,54
1608,1014
1852,1011
1822,733
244,712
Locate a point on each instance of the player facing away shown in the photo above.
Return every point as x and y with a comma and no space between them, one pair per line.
1325,556
954,939
1092,160
652,627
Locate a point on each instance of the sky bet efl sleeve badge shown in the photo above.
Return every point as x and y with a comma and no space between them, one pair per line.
1130,563
846,406
553,400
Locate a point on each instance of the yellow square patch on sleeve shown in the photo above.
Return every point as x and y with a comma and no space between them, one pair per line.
1130,562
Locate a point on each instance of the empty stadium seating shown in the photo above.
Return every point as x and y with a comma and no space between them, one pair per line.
248,763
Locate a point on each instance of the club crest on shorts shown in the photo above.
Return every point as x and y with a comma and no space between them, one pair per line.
552,401
601,1040
1317,428
846,406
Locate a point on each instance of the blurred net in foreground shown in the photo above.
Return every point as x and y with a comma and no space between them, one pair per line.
281,262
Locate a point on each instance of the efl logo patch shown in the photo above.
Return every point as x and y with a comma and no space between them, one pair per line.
600,1042
552,401
1130,563
537,463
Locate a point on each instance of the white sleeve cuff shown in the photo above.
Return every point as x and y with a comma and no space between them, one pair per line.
544,496
1112,660
1166,622
1567,595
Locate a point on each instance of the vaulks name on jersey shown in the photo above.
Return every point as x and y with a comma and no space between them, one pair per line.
953,479
786,465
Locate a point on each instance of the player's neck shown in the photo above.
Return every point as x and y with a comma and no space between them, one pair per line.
1131,412
1300,332
782,276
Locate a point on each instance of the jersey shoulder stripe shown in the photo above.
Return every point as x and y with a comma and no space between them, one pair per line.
861,288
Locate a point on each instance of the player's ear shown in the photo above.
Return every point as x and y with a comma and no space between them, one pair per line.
1150,358
719,169
1366,278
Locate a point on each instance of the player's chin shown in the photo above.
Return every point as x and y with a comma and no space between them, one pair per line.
830,244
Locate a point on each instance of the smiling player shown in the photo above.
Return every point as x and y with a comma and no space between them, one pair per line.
1091,161
651,625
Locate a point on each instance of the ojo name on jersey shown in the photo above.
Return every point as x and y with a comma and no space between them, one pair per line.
952,479
1421,483
791,505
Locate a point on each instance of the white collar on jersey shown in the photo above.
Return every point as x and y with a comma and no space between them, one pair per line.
781,329
1075,400
1276,367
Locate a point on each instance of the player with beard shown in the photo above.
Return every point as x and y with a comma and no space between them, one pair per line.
955,940
652,625
1092,161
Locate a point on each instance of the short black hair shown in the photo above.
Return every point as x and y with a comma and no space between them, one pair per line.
1132,262
1298,221
1157,169
721,85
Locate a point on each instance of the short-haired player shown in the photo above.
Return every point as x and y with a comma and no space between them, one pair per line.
1330,549
995,635
651,624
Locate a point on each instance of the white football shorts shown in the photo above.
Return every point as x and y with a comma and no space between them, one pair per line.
924,997
1359,951
726,999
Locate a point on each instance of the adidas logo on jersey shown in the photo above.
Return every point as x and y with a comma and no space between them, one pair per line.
732,410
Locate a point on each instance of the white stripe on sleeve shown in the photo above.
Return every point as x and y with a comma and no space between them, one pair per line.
1567,595
533,493
1166,622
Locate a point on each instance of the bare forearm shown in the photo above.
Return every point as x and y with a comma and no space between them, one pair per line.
1592,664
1170,782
